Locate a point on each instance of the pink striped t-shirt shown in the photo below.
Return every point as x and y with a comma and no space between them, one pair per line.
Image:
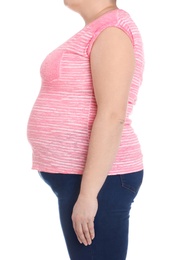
60,123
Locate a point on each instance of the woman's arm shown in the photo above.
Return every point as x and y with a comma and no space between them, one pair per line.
112,68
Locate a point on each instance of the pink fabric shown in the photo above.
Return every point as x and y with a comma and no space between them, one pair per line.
60,123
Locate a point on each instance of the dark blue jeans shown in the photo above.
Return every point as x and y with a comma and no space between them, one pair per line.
112,219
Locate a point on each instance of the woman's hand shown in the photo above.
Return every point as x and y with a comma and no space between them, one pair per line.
83,215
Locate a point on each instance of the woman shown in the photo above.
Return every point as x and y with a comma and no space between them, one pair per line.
83,144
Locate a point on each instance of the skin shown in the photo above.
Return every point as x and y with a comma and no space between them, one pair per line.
112,66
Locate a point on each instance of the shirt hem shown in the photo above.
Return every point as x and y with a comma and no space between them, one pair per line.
120,172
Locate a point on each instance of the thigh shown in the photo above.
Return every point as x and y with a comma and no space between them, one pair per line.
67,187
112,219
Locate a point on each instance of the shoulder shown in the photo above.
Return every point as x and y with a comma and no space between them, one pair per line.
117,23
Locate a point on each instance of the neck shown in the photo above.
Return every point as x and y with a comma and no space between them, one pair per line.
90,15
91,9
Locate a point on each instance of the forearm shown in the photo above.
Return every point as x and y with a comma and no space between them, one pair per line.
103,146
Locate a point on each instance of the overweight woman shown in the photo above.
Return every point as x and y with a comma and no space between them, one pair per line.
83,144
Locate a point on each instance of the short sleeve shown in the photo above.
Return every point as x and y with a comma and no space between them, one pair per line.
95,34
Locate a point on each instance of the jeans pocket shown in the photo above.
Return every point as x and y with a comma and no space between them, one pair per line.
132,181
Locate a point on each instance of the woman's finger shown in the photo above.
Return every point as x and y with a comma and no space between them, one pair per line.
87,233
79,233
91,229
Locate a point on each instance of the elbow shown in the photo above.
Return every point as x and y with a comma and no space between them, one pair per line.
118,118
121,121
113,118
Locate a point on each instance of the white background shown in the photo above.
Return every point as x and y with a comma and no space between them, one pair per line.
29,224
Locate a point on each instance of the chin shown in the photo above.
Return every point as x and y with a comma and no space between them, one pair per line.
72,4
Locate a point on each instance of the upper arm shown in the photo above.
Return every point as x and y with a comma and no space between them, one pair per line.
112,67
